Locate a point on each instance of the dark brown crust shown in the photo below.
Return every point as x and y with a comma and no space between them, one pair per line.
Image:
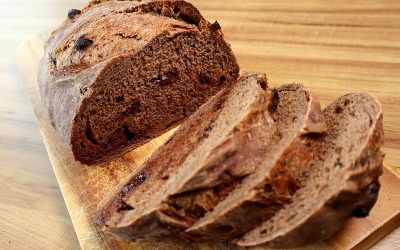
355,198
67,83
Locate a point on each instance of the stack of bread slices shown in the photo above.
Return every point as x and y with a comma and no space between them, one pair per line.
258,167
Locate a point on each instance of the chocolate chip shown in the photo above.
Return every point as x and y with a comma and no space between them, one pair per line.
361,212
81,43
338,110
176,10
73,12
128,134
222,80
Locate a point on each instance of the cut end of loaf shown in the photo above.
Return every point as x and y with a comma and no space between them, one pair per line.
111,91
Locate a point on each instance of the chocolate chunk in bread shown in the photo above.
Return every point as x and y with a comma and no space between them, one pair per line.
120,73
72,13
342,180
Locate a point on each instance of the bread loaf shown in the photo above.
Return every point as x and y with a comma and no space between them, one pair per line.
119,73
342,181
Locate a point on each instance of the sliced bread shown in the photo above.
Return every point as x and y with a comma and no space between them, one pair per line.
342,181
119,73
209,140
297,117
237,140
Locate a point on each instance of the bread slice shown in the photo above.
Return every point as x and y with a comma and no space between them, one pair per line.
119,73
236,141
342,181
297,117
223,133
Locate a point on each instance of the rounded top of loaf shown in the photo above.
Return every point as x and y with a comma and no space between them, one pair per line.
108,29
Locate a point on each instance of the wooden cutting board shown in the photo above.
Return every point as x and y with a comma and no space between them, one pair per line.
83,187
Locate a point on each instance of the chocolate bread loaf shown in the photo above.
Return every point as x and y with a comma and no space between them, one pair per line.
119,73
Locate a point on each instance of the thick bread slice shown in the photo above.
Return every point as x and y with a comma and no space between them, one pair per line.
214,146
120,73
297,117
342,181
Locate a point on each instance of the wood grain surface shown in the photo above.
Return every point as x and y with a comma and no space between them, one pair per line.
331,47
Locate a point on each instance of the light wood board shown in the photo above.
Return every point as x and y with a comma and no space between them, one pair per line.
83,187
